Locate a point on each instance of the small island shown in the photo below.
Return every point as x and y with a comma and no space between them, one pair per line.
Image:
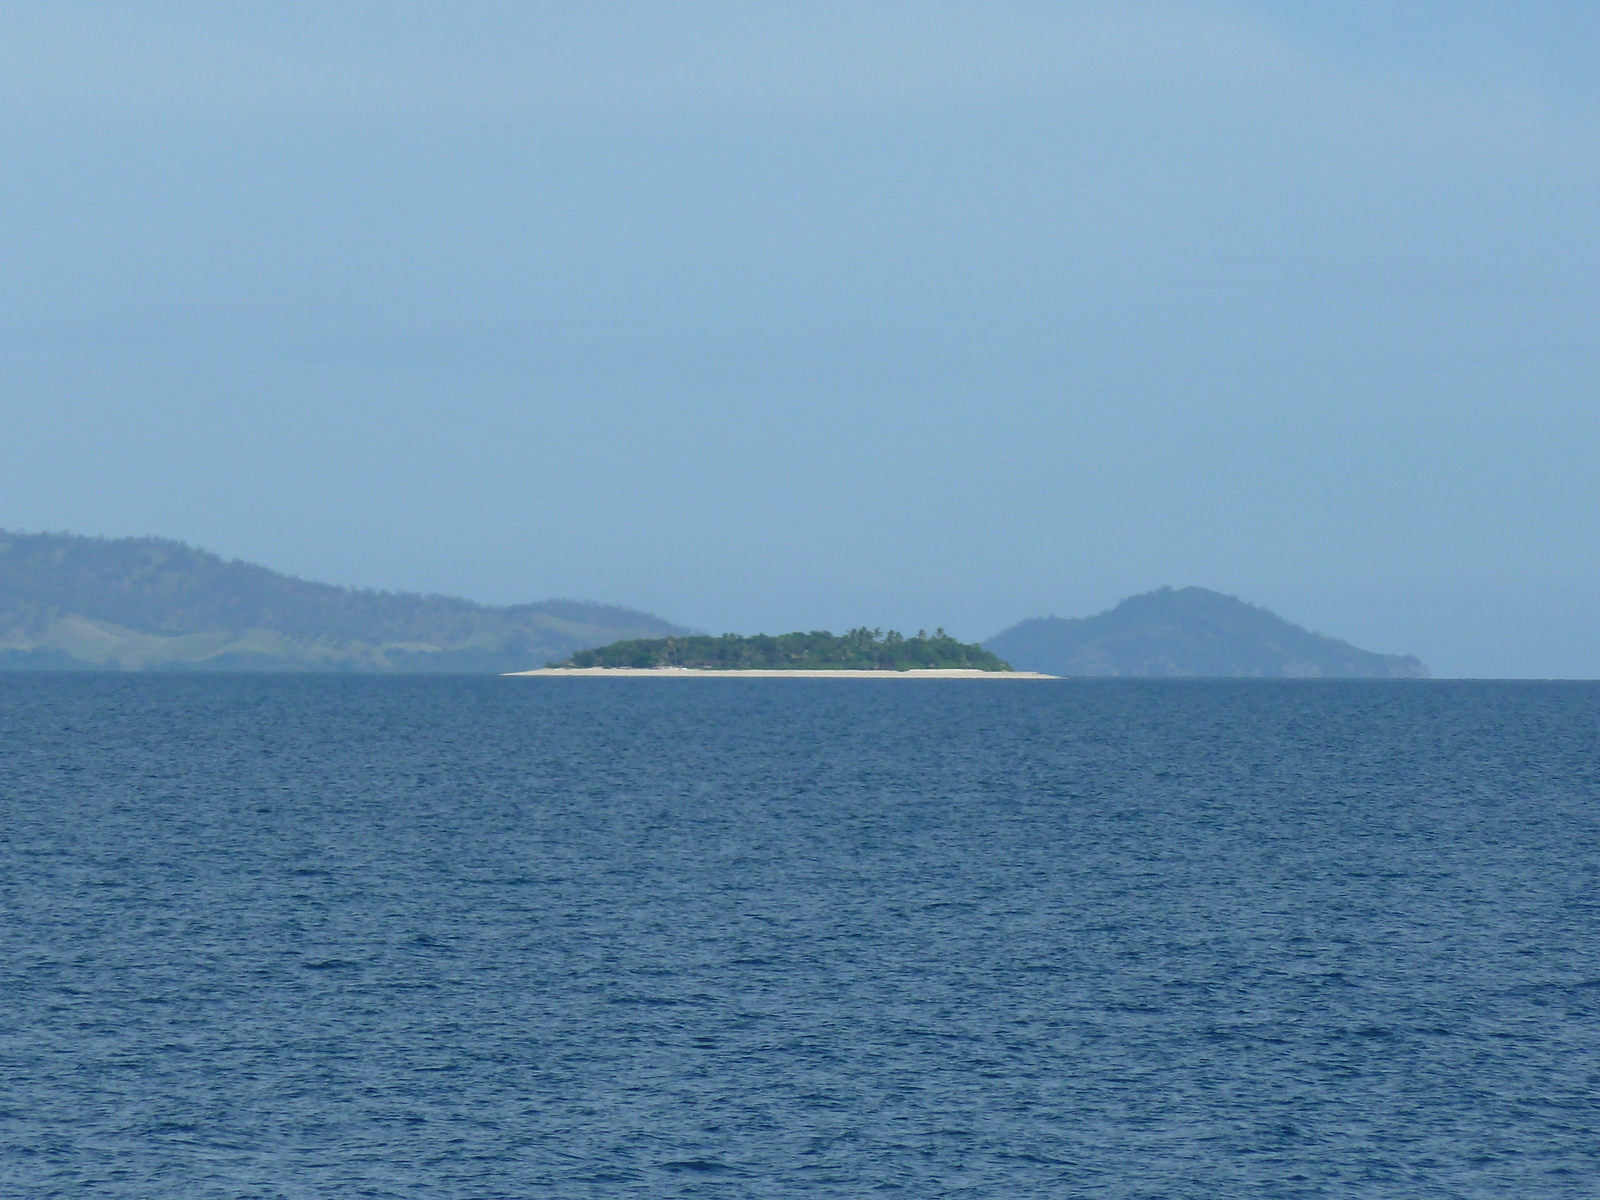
860,650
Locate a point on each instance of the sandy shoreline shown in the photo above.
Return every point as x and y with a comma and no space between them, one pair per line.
689,673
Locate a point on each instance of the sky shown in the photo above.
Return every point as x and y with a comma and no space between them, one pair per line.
764,316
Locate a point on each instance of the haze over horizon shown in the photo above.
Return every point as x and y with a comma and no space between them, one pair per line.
807,316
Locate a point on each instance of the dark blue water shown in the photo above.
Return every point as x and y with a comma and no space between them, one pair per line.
426,937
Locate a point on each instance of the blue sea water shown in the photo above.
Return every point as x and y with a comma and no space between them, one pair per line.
459,937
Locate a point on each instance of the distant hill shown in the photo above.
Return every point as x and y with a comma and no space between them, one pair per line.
1191,631
149,603
858,650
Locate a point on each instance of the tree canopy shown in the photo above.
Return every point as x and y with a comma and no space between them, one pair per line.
858,650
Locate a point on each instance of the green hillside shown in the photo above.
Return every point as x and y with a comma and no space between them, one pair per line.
152,604
858,650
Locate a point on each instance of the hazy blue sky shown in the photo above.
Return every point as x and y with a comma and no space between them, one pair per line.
764,316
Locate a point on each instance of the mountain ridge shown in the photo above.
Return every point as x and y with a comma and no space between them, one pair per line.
155,603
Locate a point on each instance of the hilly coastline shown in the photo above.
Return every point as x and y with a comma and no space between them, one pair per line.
69,602
84,603
1190,632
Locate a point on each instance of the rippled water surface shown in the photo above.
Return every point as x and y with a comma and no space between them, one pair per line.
307,937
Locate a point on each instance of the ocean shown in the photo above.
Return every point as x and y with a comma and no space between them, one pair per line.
345,936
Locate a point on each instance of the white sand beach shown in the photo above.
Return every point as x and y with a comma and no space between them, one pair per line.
691,673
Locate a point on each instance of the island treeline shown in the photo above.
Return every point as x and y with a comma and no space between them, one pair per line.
859,650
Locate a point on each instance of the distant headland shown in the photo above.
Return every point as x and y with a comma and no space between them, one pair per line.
1191,632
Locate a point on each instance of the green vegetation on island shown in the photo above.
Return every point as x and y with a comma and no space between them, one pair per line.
858,650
